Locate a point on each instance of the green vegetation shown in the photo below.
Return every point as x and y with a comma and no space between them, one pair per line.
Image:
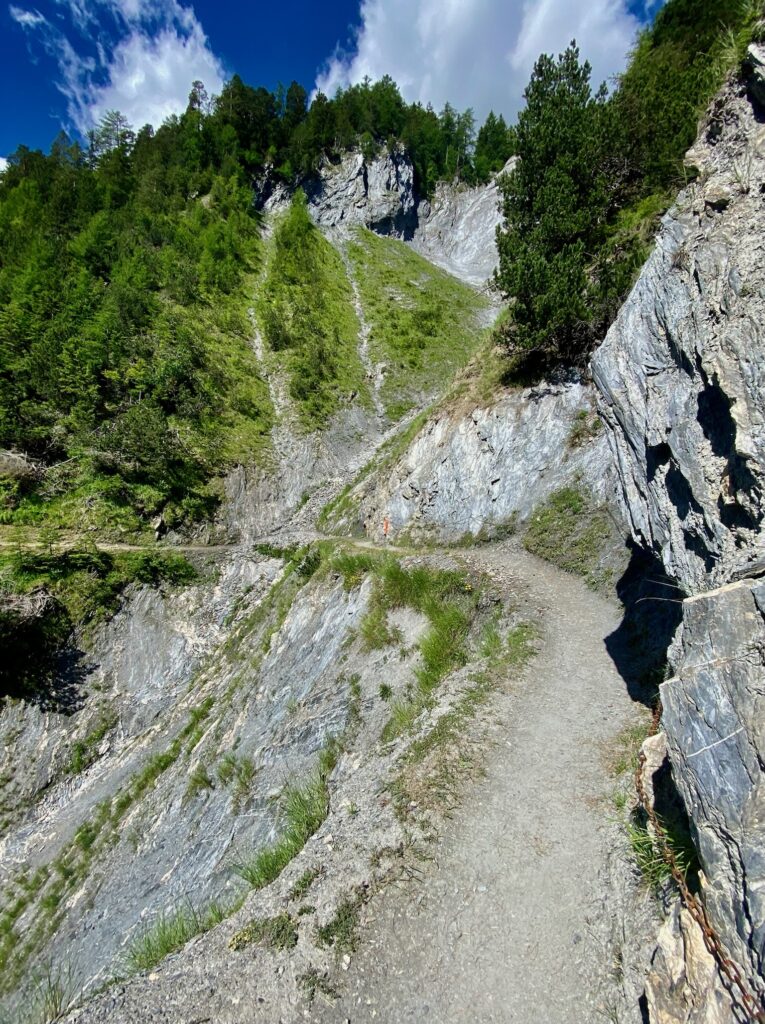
83,752
376,632
238,772
304,809
570,531
340,931
435,763
312,982
304,883
199,780
126,369
446,598
587,425
424,323
279,932
626,750
171,932
595,172
74,589
649,858
306,311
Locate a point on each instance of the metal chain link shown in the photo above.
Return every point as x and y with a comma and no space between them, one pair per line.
742,996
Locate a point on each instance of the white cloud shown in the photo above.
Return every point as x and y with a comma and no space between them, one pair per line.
3,164
143,67
477,53
27,19
150,76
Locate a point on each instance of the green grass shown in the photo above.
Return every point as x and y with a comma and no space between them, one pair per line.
199,780
341,931
83,752
304,809
571,531
304,883
586,426
376,633
313,982
278,932
626,749
305,309
169,933
445,597
424,322
504,655
238,772
42,895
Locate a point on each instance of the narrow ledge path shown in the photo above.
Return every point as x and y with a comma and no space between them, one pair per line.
511,922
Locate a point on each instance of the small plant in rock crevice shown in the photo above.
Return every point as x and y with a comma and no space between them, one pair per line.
279,932
304,809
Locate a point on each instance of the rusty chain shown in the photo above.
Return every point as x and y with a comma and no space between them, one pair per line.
742,996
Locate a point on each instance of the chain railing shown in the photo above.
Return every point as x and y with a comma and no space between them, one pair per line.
744,997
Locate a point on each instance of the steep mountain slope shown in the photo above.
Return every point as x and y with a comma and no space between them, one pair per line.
194,713
679,377
202,809
455,229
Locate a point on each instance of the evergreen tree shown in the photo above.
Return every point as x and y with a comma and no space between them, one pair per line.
555,205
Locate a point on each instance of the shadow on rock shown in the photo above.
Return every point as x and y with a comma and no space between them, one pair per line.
652,612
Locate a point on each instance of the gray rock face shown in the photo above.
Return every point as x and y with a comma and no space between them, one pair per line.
755,59
472,468
681,377
681,373
377,194
457,231
714,717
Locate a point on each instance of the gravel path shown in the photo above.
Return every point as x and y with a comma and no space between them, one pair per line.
508,925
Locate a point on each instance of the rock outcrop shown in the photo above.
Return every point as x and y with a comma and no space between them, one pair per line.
455,230
378,194
681,377
714,717
681,372
475,467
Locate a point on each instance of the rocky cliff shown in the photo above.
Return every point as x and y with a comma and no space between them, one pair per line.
680,380
455,230
477,466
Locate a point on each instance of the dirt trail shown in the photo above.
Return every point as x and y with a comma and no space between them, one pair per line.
508,925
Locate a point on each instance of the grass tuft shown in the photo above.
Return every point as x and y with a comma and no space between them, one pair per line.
341,931
570,531
305,809
279,932
169,933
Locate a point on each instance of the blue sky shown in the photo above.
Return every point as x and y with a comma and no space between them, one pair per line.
64,62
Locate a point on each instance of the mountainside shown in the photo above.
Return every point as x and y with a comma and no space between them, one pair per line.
373,652
455,229
679,377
